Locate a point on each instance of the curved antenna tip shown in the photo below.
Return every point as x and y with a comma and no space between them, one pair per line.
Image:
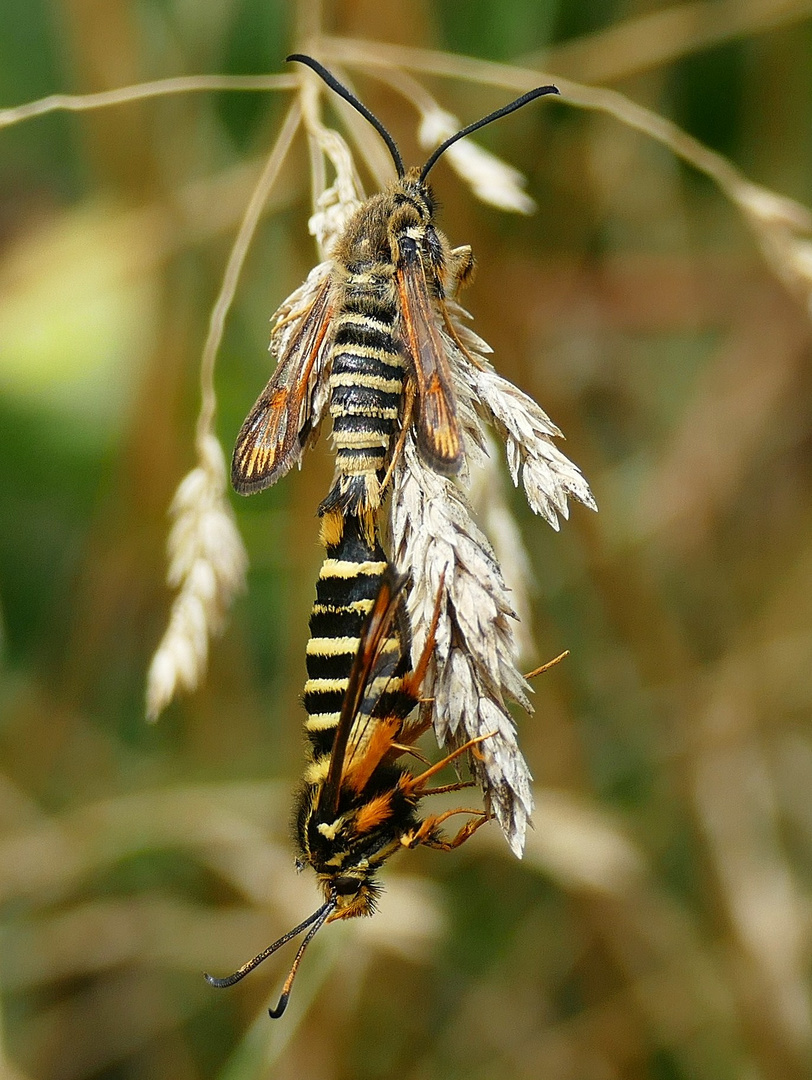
351,99
280,1008
531,95
212,981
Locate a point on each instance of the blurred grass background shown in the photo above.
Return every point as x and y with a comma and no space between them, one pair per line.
659,926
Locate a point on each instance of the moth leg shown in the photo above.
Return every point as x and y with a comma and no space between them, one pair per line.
291,316
445,788
427,834
546,667
401,748
451,330
460,269
415,784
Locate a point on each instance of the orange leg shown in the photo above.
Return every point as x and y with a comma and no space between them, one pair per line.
290,317
418,782
426,834
448,787
415,680
403,748
409,734
455,337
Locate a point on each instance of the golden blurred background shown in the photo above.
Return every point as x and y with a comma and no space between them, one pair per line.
659,924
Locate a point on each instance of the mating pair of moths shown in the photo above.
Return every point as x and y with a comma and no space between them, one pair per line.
374,330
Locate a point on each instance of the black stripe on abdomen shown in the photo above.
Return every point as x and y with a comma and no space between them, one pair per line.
348,583
366,388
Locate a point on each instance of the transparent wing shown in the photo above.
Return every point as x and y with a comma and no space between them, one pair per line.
271,440
438,431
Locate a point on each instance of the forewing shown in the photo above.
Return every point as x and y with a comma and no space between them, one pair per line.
271,439
438,429
373,662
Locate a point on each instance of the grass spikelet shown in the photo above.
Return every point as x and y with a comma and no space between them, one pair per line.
783,228
491,179
207,564
473,672
547,475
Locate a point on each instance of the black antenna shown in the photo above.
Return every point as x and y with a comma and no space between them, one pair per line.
323,916
317,917
531,95
342,91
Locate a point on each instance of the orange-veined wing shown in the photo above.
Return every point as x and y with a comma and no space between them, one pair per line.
438,432
271,440
379,652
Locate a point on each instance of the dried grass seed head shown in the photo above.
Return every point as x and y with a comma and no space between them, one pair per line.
473,671
491,179
207,565
547,475
486,493
473,675
336,204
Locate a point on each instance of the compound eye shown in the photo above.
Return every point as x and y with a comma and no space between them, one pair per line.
346,886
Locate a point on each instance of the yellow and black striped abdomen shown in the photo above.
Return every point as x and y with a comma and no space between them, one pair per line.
349,581
366,384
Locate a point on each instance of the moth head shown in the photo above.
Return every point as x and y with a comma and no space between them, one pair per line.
354,892
412,213
412,190
347,894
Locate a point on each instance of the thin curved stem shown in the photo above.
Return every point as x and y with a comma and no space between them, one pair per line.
183,84
509,77
233,269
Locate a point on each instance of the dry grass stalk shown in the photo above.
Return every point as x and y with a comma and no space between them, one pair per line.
783,228
207,560
183,84
656,38
333,205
